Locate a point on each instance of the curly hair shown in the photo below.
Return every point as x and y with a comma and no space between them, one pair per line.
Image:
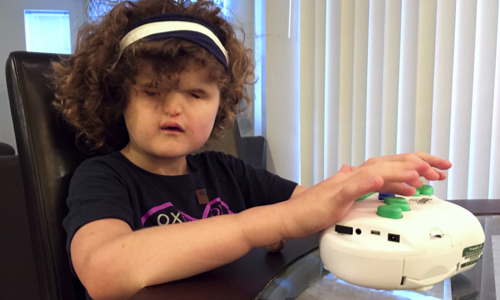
92,84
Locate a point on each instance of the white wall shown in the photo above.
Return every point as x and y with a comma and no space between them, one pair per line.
241,14
12,38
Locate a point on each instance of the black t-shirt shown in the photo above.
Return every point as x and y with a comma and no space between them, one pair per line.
111,186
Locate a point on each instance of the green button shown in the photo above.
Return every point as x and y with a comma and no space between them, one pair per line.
390,200
426,190
417,193
364,197
403,206
390,211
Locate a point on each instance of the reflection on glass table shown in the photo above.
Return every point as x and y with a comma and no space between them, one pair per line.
306,279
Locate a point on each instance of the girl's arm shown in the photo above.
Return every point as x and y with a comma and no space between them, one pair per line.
114,262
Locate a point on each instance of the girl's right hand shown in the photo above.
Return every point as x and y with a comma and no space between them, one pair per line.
327,202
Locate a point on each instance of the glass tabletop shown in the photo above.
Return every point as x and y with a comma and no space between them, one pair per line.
306,279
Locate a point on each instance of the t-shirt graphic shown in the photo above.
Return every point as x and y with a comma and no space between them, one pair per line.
166,213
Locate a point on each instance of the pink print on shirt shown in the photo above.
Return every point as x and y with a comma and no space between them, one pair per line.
214,208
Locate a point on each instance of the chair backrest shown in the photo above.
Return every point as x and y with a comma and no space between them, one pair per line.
48,157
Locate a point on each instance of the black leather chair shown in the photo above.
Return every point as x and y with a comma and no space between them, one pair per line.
6,149
17,271
48,157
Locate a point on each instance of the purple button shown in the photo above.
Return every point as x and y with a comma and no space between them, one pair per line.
381,196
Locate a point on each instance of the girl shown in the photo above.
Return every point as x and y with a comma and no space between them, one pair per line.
147,86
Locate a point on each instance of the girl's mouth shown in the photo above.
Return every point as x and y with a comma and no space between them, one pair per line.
172,127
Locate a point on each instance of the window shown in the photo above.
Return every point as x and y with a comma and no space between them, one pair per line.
97,8
47,31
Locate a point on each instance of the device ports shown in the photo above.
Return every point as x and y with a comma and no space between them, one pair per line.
393,238
343,229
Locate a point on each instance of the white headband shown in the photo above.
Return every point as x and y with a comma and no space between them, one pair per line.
164,27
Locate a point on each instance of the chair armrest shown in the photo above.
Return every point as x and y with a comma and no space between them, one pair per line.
255,150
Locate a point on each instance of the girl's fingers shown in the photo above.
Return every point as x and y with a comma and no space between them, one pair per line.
398,188
399,178
353,189
434,161
433,174
345,169
390,171
442,176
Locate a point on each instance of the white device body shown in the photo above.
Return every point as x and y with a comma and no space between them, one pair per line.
437,239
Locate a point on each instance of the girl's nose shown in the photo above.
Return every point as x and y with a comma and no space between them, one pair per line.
173,103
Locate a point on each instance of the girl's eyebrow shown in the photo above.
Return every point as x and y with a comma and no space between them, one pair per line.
147,83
